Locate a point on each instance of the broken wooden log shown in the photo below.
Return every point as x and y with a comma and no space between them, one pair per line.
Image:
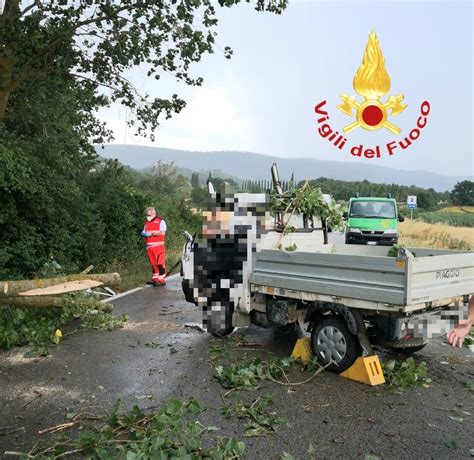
51,302
88,269
14,288
63,288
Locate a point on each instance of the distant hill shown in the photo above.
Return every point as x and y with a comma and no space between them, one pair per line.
247,165
203,173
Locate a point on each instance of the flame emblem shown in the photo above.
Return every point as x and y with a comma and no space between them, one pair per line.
372,81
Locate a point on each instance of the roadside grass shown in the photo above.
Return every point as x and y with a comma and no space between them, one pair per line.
415,233
137,271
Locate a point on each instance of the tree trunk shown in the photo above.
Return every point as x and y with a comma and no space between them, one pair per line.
13,288
51,302
3,103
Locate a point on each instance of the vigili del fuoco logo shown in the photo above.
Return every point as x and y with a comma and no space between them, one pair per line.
372,82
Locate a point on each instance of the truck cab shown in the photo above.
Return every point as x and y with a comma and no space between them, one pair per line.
372,220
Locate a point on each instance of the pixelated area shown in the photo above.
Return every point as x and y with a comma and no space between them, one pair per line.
436,324
222,255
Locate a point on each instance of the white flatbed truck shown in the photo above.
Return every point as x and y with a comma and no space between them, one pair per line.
348,297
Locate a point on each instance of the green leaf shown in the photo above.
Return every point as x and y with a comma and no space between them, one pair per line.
31,354
287,456
470,385
451,444
253,430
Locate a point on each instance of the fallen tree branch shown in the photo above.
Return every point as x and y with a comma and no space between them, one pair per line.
56,428
286,384
13,288
54,302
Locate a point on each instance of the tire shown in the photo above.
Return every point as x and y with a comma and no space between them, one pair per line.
187,291
219,323
222,333
331,339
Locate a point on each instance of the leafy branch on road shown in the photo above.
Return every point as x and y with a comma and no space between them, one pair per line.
169,432
250,373
403,374
39,328
260,420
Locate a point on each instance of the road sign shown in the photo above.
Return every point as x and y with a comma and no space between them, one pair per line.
411,202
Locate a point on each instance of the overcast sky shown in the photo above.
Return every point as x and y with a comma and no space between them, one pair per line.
262,100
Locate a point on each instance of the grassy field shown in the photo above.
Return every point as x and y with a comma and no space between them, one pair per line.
136,272
416,233
457,216
461,209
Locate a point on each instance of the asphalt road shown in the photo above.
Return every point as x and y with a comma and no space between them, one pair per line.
339,417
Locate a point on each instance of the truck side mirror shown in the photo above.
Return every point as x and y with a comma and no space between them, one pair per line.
401,217
345,215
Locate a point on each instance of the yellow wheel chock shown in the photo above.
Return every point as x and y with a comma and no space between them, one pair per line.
366,369
302,351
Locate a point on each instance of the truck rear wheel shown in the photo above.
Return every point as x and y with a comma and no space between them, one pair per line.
331,340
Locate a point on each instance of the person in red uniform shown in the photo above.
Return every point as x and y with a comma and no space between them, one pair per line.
154,233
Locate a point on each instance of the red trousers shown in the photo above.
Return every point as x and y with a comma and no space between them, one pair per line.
157,257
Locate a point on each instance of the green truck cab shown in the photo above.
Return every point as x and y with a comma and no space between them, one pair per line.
372,220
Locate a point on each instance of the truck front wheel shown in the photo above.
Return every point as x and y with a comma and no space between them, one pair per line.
218,320
331,340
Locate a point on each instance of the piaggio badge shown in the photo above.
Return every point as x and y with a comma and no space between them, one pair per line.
371,81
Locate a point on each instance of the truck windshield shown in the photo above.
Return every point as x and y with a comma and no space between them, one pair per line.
378,209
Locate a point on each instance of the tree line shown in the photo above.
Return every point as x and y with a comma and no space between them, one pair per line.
427,199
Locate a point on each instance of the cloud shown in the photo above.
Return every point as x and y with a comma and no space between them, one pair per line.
210,121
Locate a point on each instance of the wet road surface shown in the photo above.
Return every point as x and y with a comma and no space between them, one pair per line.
154,358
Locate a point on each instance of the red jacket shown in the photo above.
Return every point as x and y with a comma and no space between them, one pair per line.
154,226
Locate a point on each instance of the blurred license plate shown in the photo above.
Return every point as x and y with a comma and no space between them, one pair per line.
431,325
372,242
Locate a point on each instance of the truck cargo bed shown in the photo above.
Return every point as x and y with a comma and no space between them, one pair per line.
364,274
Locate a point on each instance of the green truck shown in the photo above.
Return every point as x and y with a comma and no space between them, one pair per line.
372,220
